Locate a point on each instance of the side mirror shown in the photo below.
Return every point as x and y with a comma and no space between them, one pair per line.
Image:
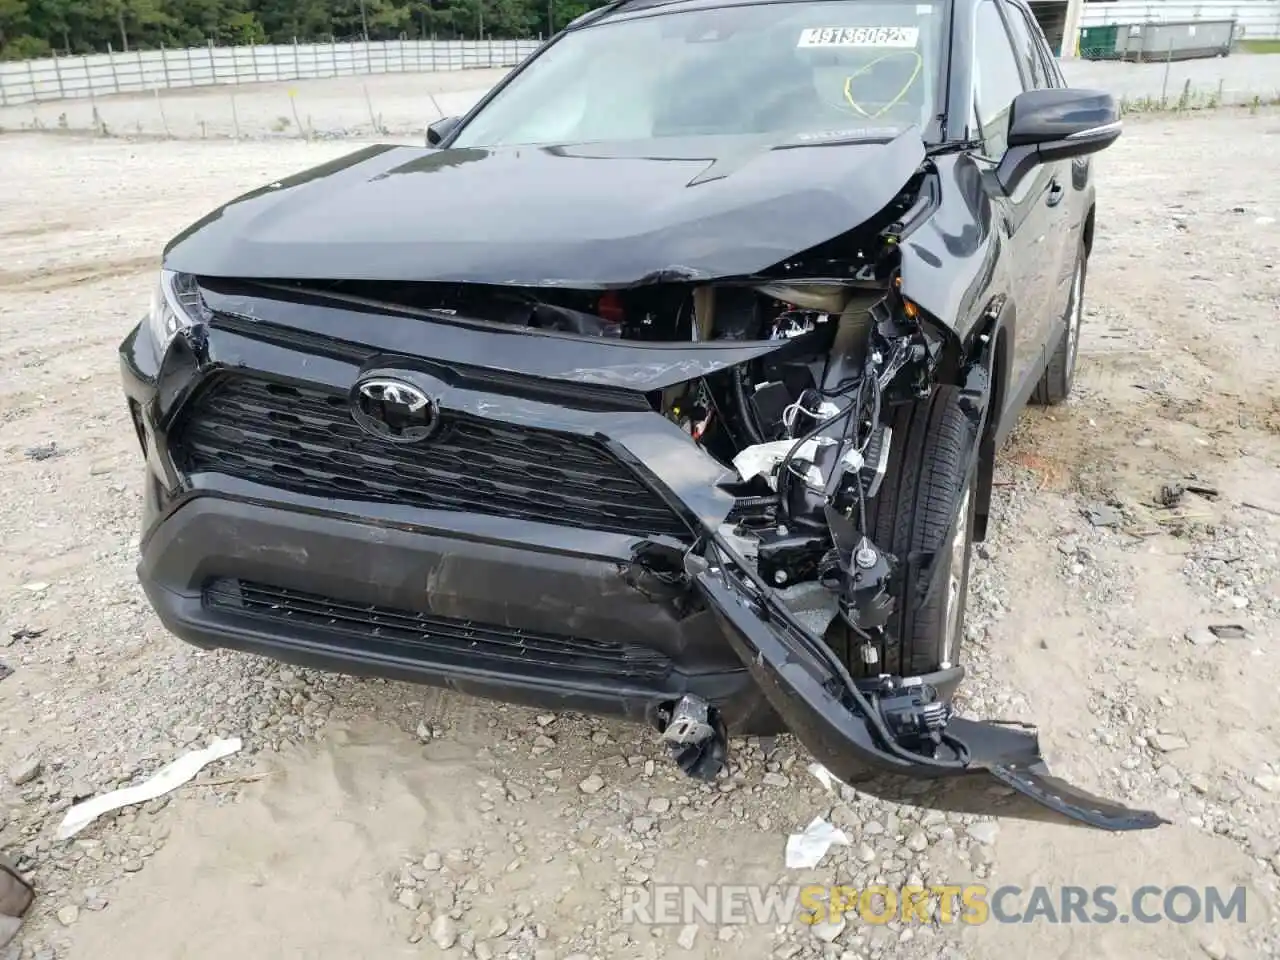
436,132
1056,124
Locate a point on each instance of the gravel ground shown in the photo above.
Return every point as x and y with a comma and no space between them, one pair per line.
402,104
376,819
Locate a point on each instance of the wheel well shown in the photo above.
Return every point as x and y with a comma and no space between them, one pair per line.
987,445
999,366
1088,231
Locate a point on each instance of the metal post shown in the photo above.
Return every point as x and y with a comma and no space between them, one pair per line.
333,54
297,61
31,79
1164,86
142,72
57,69
164,65
111,59
213,65
275,58
191,70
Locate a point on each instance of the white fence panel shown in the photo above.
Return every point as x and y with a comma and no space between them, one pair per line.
103,74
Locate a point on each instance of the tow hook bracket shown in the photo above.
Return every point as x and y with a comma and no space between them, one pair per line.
696,736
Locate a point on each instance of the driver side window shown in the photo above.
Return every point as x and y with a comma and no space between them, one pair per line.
997,79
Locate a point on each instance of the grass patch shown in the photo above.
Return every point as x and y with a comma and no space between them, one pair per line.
1187,100
1260,46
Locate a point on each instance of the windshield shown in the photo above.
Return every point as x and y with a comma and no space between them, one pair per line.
775,70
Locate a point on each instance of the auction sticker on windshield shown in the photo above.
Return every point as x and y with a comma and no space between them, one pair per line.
859,37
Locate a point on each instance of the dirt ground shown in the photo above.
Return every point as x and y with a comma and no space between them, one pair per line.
370,819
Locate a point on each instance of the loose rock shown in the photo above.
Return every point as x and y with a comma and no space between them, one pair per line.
984,831
688,934
1167,742
444,932
827,931
24,771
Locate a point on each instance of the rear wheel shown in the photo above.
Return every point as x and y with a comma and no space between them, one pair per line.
1060,374
926,485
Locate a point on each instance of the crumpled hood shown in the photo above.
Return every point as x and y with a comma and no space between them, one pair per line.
561,216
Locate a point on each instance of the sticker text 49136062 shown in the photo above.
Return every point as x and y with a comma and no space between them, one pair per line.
859,37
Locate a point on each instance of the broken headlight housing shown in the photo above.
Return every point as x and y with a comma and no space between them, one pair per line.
175,305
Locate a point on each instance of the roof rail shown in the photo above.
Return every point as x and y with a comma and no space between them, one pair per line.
592,15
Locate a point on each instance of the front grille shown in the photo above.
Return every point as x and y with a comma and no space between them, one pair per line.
304,439
431,638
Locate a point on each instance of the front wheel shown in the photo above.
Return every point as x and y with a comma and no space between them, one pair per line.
927,484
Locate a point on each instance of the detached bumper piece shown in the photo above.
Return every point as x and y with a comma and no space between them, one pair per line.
981,768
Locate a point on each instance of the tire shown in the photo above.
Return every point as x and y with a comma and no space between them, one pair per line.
910,514
1060,373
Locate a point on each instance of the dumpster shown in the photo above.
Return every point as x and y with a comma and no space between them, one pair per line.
1099,43
1153,40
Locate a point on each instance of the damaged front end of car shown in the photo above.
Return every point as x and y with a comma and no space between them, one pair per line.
753,398
799,529
804,592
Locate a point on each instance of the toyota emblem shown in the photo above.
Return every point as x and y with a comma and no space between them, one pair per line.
394,410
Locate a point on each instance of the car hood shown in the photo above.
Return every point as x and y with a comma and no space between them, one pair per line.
559,216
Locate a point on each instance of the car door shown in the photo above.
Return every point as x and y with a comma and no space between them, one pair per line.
1033,54
1027,214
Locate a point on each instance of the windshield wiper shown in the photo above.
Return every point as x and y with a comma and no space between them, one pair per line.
952,146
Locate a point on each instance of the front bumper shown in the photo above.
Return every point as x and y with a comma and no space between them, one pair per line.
838,728
210,539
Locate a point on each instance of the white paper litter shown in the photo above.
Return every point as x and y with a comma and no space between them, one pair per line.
806,849
163,781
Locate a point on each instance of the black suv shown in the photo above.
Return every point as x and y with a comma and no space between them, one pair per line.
666,382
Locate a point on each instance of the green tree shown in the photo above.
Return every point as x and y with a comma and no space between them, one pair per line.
303,19
35,27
